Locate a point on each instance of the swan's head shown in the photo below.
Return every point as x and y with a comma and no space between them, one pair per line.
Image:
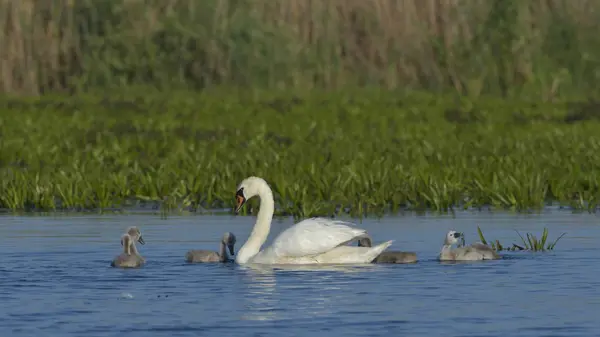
126,242
452,237
247,189
136,234
229,241
365,242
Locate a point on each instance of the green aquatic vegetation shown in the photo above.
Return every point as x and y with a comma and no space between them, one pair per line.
532,243
363,153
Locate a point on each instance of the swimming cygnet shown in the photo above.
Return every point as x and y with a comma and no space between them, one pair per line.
474,252
389,256
135,234
130,257
199,255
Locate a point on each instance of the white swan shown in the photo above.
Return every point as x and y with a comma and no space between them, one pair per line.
311,241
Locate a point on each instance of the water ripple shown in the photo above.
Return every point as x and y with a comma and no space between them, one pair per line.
56,281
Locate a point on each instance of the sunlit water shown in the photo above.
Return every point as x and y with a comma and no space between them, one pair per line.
55,280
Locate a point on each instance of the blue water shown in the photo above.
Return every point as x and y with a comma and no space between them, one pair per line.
55,280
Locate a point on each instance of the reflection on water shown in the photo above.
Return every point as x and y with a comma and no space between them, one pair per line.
56,281
341,268
320,288
260,294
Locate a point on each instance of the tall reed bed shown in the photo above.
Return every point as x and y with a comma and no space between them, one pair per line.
540,49
364,152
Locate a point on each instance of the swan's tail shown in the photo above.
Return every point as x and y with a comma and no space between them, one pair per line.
350,254
374,252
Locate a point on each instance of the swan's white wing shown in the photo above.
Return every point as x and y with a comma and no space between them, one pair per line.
314,236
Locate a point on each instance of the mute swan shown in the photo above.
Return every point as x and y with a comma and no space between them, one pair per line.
474,252
130,257
311,241
198,255
389,256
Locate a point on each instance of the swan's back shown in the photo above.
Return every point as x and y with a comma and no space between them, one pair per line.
127,261
396,257
200,255
389,256
486,251
314,236
476,251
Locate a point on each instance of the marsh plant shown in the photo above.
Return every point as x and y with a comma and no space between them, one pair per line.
365,153
537,49
498,107
532,243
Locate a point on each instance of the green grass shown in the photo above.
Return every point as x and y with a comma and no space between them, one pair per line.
364,152
531,244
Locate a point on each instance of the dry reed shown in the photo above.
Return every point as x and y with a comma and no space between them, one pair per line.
540,48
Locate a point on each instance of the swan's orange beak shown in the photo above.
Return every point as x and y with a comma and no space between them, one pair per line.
240,200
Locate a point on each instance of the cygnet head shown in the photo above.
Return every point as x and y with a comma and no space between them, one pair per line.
247,189
126,242
452,238
365,242
229,241
136,234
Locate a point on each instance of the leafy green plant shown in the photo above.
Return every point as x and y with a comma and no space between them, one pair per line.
531,244
366,153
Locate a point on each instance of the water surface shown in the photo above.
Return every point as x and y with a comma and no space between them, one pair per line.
55,280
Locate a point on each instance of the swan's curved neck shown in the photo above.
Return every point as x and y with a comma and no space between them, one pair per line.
446,248
262,227
133,249
223,252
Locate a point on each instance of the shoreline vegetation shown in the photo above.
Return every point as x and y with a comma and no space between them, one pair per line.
542,50
345,106
363,152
